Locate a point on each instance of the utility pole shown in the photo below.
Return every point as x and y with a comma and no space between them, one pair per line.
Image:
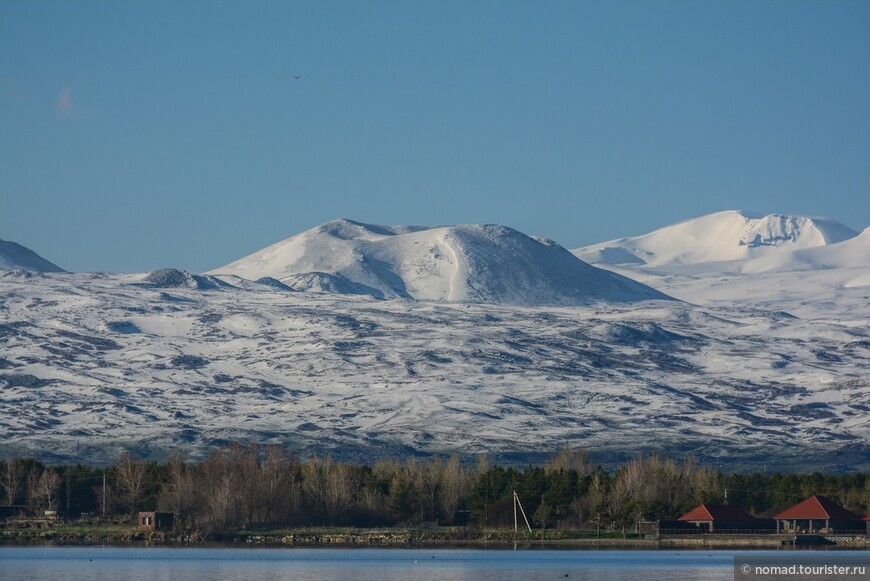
515,512
68,486
104,493
486,504
516,504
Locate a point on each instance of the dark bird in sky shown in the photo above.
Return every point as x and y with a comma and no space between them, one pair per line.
297,77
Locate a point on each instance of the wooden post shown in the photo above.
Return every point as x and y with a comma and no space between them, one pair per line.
516,530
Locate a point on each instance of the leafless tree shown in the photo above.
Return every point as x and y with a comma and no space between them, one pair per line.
179,493
329,485
483,464
595,501
32,486
218,487
130,476
430,487
455,483
570,459
278,486
341,486
47,488
244,471
11,480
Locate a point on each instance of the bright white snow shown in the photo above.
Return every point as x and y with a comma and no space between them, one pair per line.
718,238
811,267
468,263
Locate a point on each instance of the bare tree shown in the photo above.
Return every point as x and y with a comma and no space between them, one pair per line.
280,494
217,483
244,472
329,485
650,485
47,488
11,480
32,486
596,505
570,459
424,479
340,490
483,464
179,494
130,475
454,487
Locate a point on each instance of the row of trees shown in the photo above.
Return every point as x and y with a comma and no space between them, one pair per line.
254,487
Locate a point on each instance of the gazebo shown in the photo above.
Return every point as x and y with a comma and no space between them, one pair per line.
718,517
817,514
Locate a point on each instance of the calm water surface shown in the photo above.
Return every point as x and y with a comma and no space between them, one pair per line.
220,564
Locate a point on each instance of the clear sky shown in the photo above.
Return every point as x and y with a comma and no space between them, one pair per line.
143,134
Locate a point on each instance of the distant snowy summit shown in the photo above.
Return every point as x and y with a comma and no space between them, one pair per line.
468,263
14,256
722,237
853,253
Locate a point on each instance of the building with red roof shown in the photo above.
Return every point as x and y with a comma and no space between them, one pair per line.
818,514
720,517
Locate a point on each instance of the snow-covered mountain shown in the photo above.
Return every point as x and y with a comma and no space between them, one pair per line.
718,238
765,362
467,263
14,256
91,364
810,267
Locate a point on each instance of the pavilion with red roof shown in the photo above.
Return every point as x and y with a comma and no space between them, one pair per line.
818,514
718,517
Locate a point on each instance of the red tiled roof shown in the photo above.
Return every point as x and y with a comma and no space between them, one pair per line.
714,512
867,517
817,507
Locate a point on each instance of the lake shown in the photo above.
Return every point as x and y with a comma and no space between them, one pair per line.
218,564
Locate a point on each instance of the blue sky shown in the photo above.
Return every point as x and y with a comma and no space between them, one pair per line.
138,135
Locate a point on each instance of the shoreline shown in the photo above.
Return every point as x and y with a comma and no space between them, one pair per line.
410,539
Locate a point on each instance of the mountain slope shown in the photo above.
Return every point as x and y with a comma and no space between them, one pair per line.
467,263
94,363
14,256
720,237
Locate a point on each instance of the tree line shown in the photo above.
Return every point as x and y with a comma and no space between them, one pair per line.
256,487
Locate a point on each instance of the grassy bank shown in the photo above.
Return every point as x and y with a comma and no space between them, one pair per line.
120,534
381,537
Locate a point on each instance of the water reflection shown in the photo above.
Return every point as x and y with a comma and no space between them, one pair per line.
219,564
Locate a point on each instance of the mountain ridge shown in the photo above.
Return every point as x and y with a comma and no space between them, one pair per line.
483,263
721,237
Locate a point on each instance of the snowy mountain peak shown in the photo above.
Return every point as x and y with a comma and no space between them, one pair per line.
14,256
486,263
720,237
796,231
346,229
853,253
